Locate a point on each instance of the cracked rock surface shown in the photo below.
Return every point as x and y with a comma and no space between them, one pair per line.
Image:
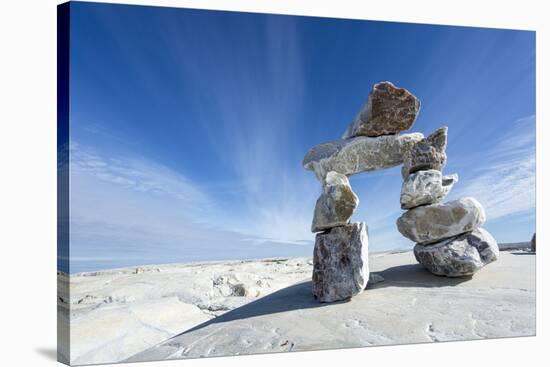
136,308
459,256
494,303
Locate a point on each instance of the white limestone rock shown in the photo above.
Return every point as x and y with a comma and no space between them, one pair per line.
359,154
432,223
340,263
425,187
459,256
336,204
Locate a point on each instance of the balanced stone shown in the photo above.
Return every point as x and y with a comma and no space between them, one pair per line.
425,187
388,110
340,262
429,153
431,223
459,256
360,154
336,204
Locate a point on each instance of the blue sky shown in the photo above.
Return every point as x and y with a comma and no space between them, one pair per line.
188,127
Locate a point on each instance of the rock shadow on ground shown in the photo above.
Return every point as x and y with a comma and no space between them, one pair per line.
294,297
299,296
414,275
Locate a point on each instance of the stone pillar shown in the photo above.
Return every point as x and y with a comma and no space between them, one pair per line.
449,238
341,262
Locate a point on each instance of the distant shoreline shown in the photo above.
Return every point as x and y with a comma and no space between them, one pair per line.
509,246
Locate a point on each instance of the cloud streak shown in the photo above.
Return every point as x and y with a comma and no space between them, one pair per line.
505,184
129,211
142,176
254,135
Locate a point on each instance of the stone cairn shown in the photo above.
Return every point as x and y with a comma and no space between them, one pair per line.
450,241
371,142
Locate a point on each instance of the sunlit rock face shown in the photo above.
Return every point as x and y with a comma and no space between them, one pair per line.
458,256
359,154
431,223
425,187
340,262
388,110
336,204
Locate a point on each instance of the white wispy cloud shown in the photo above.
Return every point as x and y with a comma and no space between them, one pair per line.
143,176
125,206
127,211
506,184
254,135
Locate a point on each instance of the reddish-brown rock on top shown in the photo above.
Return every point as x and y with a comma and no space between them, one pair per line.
388,110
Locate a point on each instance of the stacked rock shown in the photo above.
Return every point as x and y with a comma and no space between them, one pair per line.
371,142
449,240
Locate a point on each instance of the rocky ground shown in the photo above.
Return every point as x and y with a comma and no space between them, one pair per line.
212,309
117,313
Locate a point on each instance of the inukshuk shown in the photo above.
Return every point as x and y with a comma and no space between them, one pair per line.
449,238
372,142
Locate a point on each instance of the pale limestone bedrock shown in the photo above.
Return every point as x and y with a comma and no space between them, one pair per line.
431,223
459,256
428,153
388,110
115,314
340,263
336,204
360,154
425,187
496,303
